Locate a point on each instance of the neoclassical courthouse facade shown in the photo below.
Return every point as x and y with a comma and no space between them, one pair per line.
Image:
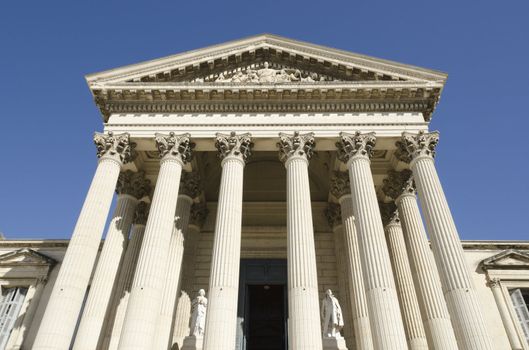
265,171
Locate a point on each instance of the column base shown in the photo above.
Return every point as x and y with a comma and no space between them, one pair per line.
193,342
334,343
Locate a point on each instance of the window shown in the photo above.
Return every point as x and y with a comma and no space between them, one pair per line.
10,305
520,300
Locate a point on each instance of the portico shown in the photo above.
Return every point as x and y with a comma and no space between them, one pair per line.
246,145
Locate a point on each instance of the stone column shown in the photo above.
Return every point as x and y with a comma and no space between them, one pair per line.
122,291
189,189
334,218
130,188
221,319
383,304
411,314
438,327
59,320
199,212
341,189
460,294
510,328
303,302
146,293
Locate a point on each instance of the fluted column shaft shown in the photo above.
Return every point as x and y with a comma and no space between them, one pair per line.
183,308
357,294
510,328
221,316
146,293
124,284
303,298
59,320
458,287
106,270
411,313
172,277
383,304
199,213
428,286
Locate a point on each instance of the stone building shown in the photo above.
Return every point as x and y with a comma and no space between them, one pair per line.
265,171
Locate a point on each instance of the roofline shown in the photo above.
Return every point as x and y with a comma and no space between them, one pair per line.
270,38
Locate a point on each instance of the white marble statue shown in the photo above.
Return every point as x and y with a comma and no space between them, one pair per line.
197,322
331,315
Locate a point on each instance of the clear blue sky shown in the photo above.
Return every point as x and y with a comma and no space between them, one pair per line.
48,117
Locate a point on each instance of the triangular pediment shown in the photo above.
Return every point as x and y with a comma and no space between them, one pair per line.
25,256
508,259
318,63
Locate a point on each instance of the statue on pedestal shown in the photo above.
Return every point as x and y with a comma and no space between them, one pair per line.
197,322
331,314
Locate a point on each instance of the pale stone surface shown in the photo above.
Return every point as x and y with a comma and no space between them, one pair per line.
130,188
341,189
303,304
143,308
411,314
65,303
224,279
199,212
193,343
334,344
197,322
383,304
510,328
438,327
458,288
331,315
122,292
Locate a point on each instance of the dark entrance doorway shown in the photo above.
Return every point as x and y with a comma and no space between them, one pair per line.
265,328
262,311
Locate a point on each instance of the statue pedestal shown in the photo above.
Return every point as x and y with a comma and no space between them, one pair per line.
193,342
334,343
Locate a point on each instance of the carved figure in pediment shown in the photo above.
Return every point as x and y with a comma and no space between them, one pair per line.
267,75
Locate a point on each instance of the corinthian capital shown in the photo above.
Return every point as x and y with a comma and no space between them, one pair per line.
412,146
115,146
199,213
141,214
340,185
133,183
389,213
398,183
333,213
296,145
357,144
190,184
234,145
175,146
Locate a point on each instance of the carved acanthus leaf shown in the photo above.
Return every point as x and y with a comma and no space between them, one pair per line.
357,144
115,146
494,282
177,146
389,213
333,213
199,213
142,213
398,183
190,185
234,145
340,185
412,146
133,183
296,145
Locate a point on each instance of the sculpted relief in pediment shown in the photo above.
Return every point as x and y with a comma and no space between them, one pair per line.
265,73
